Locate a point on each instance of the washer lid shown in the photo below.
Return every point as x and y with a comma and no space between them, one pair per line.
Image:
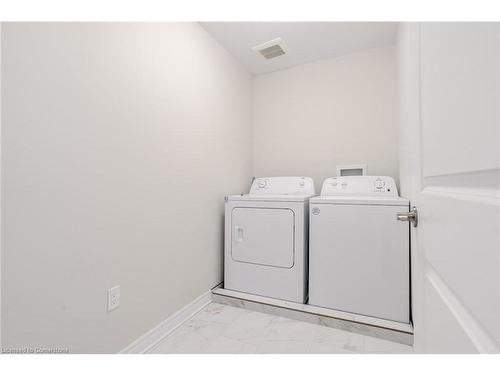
361,200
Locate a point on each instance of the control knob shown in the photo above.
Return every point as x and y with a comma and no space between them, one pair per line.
379,184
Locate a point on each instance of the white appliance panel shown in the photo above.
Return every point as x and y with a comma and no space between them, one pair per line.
263,236
359,260
266,186
377,186
266,238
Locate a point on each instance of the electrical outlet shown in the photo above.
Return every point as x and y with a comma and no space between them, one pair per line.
113,297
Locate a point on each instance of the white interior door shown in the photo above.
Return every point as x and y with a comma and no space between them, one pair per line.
263,236
450,143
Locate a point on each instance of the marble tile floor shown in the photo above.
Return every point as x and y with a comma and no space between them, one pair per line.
223,329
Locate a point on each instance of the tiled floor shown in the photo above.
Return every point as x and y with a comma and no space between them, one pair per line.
226,329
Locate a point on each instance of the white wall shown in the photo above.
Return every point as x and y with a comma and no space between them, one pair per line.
409,153
0,184
408,108
311,118
119,143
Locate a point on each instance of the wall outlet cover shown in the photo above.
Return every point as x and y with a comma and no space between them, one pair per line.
113,298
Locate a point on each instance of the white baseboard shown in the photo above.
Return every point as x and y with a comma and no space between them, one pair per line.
162,330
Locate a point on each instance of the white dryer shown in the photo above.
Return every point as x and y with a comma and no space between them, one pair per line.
266,237
359,254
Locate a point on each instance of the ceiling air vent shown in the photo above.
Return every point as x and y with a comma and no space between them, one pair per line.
271,49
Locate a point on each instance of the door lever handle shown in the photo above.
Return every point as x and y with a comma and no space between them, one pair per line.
411,216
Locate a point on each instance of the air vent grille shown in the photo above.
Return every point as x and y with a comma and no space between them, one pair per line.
272,52
271,49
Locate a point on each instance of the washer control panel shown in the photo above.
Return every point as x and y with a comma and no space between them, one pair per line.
282,186
360,185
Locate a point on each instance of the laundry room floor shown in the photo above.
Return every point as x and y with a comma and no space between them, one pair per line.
225,329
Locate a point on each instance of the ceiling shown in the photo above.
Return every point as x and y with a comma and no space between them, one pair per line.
306,41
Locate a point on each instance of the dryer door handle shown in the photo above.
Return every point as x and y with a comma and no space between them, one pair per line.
238,234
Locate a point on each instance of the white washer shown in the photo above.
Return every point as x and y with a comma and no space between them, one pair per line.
266,238
358,251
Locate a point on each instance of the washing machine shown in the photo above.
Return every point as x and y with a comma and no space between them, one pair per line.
359,253
266,238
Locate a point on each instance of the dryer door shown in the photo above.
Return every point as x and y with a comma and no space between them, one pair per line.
264,236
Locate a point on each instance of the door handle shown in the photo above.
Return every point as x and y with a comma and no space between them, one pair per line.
238,234
411,216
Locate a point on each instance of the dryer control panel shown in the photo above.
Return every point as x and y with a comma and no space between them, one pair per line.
282,186
360,185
